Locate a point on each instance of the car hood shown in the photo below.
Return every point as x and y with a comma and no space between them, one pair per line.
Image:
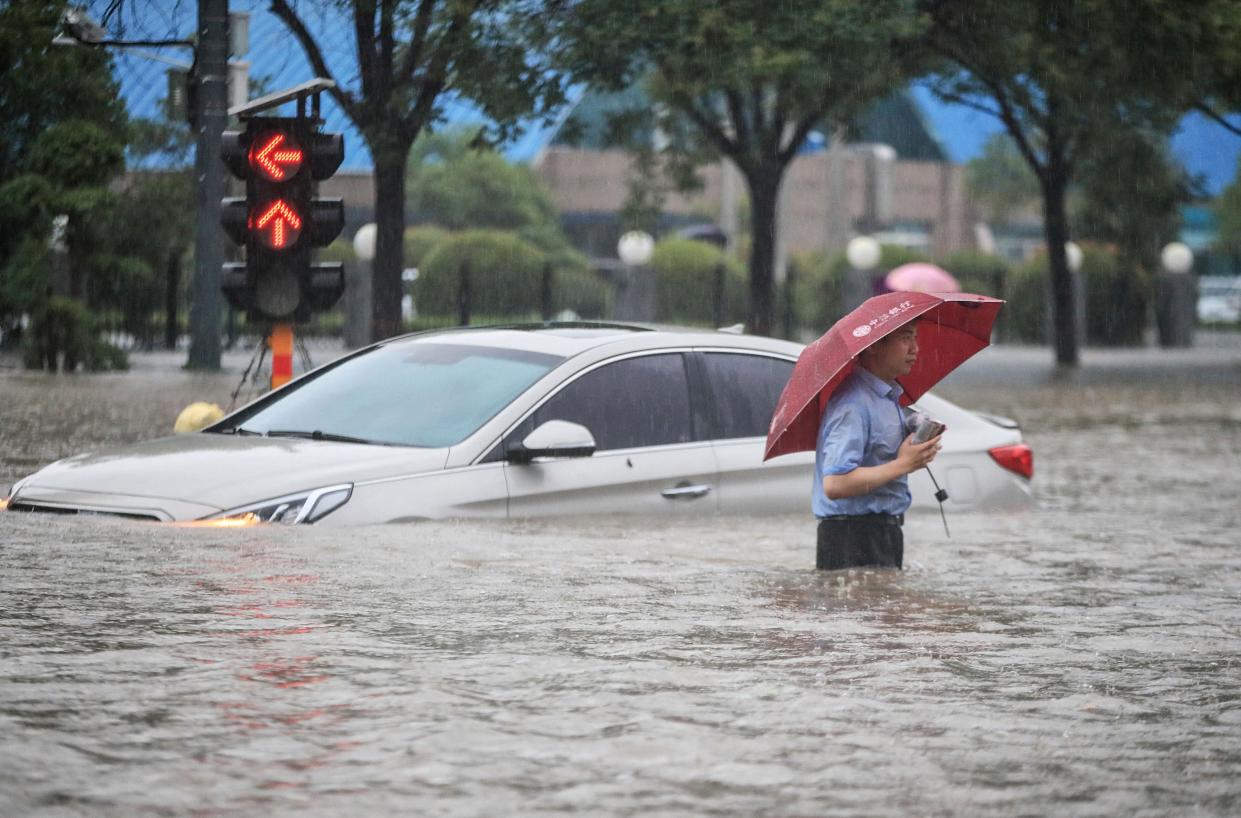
201,474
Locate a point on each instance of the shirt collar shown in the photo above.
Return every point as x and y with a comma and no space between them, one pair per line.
878,385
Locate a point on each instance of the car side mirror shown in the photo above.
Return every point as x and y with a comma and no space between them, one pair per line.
555,438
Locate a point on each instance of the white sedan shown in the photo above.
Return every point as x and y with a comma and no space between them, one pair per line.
518,421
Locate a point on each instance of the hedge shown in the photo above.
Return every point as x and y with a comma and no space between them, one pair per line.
685,275
1117,299
819,283
506,278
64,334
420,241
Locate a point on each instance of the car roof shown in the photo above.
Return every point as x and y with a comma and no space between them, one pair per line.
570,338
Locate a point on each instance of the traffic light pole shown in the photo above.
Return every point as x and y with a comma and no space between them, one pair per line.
212,115
281,343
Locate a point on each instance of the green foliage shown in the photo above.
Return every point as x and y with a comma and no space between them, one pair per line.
819,283
412,60
76,154
685,273
1026,311
27,204
126,241
63,335
746,79
1067,80
818,287
25,277
129,284
582,291
42,85
62,138
1074,72
1000,182
420,241
456,186
977,272
505,278
1118,299
1130,195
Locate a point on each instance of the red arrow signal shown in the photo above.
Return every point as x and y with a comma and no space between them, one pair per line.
277,224
276,156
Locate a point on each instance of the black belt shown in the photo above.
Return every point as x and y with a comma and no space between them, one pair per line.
890,519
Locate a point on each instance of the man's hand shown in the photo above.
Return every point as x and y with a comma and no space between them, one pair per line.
913,456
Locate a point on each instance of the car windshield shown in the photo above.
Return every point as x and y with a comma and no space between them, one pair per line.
425,393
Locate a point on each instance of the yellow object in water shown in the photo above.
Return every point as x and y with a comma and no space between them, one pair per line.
197,416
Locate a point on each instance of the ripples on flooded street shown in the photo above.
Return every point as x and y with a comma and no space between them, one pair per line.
1080,659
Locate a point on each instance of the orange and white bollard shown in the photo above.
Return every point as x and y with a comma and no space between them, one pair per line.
281,343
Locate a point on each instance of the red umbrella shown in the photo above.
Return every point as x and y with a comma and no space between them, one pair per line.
952,328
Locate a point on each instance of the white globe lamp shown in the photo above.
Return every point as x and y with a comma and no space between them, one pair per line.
1073,254
862,253
1177,258
635,248
364,241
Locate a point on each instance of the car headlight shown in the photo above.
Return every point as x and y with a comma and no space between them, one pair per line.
5,499
303,507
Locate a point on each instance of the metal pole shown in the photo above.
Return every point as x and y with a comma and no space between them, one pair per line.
211,74
790,281
545,296
281,343
718,295
463,295
172,292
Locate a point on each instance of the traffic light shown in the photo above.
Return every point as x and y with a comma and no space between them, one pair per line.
280,221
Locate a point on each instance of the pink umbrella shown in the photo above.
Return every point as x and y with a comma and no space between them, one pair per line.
919,277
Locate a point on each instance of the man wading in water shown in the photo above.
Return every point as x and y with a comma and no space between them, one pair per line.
864,455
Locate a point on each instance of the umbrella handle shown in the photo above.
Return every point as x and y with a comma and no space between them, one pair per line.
941,496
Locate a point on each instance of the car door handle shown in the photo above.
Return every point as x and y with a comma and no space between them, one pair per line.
685,491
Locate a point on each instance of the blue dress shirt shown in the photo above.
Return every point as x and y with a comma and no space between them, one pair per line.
864,425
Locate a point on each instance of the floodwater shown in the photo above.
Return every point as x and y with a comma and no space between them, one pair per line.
1079,659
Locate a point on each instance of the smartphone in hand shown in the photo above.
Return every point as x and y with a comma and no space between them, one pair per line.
927,429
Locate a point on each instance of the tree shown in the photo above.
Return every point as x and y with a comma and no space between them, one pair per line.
36,79
54,157
412,56
1129,196
751,78
1062,77
458,185
1213,75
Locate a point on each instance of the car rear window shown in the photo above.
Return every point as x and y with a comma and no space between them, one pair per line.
744,391
426,394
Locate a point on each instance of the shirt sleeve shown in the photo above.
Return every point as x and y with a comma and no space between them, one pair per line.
842,440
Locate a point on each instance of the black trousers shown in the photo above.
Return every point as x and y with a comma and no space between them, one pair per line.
868,540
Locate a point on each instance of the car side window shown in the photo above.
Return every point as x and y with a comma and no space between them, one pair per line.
744,391
634,402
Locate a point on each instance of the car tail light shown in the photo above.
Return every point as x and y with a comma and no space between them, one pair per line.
1018,458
